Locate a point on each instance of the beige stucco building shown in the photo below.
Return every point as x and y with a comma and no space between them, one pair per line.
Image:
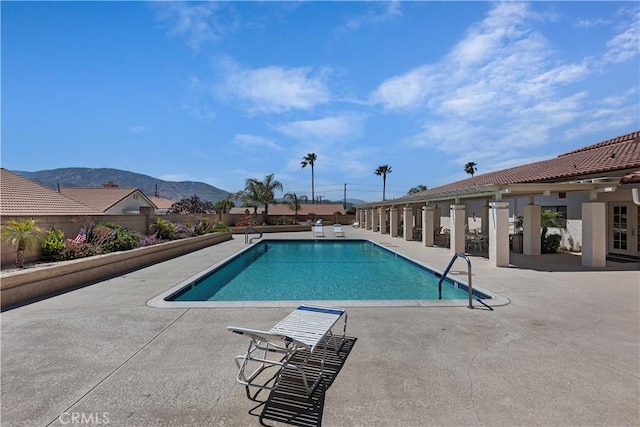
595,188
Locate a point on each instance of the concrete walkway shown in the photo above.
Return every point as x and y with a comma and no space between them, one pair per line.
565,351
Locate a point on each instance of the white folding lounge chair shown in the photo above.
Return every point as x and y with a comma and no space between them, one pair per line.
337,230
306,331
318,230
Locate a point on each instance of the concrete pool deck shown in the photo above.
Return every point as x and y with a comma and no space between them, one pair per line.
565,351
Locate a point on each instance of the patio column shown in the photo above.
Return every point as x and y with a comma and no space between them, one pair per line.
499,234
484,217
407,229
437,218
384,218
394,222
532,215
594,234
367,219
427,225
375,217
457,213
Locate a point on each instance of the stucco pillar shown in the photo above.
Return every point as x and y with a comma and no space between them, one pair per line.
384,219
367,219
594,237
407,226
394,222
532,219
428,229
457,213
484,218
499,234
375,217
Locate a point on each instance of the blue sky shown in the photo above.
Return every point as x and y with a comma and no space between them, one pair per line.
224,91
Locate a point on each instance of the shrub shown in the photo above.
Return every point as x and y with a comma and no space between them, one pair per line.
551,243
117,238
204,226
164,230
149,240
53,244
220,227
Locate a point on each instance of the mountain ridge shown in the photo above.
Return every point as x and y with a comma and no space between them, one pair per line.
97,177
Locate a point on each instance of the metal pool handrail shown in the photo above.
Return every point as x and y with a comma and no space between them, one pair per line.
453,259
246,234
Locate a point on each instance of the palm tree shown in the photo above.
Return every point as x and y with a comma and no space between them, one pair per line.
417,189
383,170
471,168
294,202
262,192
310,160
23,234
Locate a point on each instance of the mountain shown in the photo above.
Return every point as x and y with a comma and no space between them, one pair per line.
87,177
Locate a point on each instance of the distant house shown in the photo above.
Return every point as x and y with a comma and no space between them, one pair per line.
162,205
110,199
595,188
282,209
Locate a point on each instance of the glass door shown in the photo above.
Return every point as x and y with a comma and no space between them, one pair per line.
623,232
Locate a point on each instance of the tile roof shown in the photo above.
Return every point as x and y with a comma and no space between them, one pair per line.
20,196
613,155
161,202
100,198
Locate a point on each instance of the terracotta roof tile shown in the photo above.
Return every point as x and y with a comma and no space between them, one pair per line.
20,196
613,155
161,202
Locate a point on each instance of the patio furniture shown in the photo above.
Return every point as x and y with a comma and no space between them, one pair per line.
318,230
337,230
305,332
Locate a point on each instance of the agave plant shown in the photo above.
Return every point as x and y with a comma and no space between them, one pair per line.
24,234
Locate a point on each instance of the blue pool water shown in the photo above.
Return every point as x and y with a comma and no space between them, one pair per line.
280,270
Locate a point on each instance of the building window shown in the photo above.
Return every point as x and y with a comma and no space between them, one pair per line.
562,210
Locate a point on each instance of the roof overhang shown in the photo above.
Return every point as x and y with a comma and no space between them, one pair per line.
499,192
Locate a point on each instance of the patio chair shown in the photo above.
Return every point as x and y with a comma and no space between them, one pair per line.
305,332
337,230
318,230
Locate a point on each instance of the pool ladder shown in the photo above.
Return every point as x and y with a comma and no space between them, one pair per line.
470,286
444,275
246,234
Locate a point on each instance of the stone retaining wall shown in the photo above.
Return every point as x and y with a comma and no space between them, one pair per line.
36,283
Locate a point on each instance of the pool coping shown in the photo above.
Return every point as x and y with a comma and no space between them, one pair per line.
159,301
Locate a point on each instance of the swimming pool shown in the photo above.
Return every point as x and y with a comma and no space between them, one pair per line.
273,272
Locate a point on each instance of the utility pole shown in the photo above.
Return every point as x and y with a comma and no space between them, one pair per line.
344,203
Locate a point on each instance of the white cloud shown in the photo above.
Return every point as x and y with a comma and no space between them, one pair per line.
250,142
196,22
327,129
380,12
589,23
625,45
275,89
503,87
